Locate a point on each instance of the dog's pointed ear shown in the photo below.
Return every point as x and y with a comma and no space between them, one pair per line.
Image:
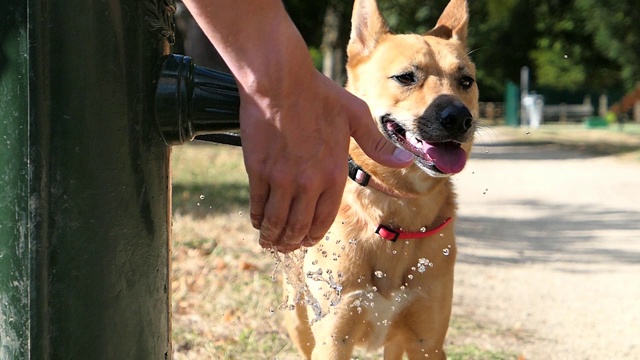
453,22
367,27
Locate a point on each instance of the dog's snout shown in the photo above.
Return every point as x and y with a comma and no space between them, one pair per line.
456,119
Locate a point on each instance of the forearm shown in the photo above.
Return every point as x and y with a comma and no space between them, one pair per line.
256,38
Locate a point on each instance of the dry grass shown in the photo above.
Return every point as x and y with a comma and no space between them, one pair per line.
224,298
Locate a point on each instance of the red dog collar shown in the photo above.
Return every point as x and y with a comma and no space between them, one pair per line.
390,234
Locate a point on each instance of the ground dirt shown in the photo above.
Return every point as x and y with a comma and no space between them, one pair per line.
549,250
548,240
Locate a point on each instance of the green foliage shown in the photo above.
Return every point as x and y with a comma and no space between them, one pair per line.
569,45
615,27
557,65
410,16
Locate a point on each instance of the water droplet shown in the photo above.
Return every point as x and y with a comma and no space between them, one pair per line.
566,56
374,288
441,235
398,298
197,204
240,213
528,133
394,252
201,197
445,252
423,229
410,277
379,274
422,264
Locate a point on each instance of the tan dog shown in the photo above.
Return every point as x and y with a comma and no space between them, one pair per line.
423,96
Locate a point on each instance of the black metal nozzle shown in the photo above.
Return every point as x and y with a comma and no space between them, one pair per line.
192,100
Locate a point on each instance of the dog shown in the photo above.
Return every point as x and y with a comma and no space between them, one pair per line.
389,256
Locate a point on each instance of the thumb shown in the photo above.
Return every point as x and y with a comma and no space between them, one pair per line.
365,132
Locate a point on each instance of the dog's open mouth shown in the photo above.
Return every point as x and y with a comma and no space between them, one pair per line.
446,157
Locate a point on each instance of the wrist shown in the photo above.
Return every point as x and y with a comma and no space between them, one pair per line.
257,40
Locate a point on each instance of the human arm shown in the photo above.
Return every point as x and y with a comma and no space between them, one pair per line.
295,122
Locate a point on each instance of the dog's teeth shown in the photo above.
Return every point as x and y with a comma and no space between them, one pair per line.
414,140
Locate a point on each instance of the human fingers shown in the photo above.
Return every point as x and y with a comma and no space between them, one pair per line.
325,214
276,211
299,222
258,195
365,132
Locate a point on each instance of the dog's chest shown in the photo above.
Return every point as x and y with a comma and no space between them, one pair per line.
381,312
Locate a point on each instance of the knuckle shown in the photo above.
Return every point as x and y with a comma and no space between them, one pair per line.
273,224
297,230
258,200
280,179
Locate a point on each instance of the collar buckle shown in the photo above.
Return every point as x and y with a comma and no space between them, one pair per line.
388,233
357,174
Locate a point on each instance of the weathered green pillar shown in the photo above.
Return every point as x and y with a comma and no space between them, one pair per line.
84,181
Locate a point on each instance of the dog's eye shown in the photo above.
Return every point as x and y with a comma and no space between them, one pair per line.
405,79
466,82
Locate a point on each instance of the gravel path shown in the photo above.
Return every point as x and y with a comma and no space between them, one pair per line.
549,251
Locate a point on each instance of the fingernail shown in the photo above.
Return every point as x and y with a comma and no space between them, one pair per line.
402,155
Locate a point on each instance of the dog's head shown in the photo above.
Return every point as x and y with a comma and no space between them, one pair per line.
421,89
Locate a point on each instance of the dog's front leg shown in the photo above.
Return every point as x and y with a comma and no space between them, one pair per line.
341,329
393,350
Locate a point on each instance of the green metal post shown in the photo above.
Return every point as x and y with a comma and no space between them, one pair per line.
84,181
511,104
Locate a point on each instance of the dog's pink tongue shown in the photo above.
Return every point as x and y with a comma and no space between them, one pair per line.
448,157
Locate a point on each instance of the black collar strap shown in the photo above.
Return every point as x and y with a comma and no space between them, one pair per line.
357,174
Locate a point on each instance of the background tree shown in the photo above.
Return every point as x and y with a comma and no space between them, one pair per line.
571,46
615,28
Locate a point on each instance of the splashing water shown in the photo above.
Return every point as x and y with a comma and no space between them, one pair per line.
423,263
292,265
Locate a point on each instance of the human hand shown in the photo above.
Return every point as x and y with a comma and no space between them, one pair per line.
295,123
295,143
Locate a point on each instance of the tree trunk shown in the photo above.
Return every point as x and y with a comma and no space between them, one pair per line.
334,42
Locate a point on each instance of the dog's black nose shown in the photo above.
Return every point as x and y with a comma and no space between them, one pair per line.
456,119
